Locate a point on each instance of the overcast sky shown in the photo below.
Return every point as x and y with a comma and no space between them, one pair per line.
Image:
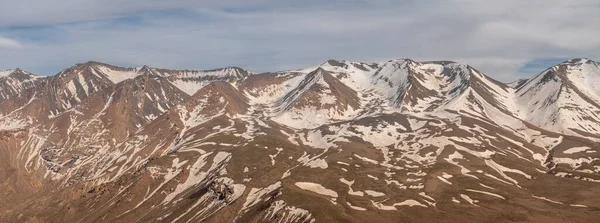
505,39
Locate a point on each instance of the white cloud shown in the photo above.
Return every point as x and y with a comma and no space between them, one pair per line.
496,37
9,43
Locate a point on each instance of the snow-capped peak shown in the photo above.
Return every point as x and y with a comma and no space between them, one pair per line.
18,73
5,73
564,98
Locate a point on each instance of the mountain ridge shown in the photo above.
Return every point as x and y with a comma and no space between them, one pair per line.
92,62
432,141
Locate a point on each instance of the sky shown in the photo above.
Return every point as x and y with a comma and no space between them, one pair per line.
505,39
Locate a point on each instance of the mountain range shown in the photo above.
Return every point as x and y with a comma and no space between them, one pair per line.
394,141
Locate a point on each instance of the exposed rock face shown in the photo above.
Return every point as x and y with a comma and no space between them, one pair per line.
394,141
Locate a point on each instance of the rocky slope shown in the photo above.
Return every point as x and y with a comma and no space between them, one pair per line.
400,140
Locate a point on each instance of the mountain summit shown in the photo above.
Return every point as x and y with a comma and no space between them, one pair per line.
400,140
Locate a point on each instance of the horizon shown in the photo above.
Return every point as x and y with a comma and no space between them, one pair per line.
507,40
301,68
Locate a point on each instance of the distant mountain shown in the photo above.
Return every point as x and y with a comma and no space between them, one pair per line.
396,141
563,98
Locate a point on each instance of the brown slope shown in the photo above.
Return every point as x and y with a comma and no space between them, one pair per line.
320,92
61,92
233,101
463,149
97,125
270,84
311,97
17,82
171,168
